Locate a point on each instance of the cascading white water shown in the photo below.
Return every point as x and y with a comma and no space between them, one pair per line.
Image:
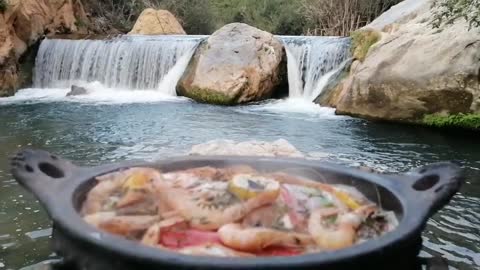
158,62
128,62
311,63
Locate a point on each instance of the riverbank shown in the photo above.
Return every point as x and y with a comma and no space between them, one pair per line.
462,121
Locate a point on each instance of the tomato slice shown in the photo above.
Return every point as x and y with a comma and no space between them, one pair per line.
176,239
279,252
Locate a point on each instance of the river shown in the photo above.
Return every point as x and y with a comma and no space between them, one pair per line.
107,127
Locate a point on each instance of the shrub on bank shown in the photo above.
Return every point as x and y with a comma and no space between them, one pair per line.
466,121
362,41
285,17
3,5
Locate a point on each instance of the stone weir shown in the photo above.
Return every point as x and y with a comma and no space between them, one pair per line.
136,62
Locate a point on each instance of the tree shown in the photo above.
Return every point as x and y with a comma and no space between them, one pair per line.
341,17
196,16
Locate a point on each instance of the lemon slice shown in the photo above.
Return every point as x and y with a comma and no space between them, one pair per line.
245,186
137,180
346,199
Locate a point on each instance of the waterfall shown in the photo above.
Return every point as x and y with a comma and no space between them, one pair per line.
158,62
311,63
127,62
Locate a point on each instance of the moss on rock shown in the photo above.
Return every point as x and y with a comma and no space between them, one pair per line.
362,40
209,96
465,121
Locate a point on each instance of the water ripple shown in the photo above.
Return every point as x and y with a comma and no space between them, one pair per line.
94,132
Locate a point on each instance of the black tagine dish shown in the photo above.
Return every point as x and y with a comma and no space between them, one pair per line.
63,187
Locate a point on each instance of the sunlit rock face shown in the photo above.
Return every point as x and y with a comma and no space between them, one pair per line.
414,69
24,22
157,22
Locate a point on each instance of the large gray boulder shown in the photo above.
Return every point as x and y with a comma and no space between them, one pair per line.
413,70
237,64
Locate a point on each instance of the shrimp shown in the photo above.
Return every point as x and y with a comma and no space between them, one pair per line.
121,225
342,196
332,230
214,250
251,239
288,179
187,178
121,190
209,206
264,217
100,194
153,234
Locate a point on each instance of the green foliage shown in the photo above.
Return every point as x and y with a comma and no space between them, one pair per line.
341,17
282,17
362,41
196,16
3,5
448,11
466,121
118,14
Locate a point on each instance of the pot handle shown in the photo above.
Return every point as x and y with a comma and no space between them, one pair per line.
434,185
41,172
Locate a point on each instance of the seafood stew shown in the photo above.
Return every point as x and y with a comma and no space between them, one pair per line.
233,212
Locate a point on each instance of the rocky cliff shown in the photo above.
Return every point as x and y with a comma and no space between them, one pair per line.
24,22
412,69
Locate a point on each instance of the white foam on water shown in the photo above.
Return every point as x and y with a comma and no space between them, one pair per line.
35,95
98,95
293,106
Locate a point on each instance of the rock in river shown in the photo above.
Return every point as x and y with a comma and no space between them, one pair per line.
414,69
77,91
237,64
279,148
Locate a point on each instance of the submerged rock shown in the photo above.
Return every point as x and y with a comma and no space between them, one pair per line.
279,148
413,70
77,91
157,22
237,64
